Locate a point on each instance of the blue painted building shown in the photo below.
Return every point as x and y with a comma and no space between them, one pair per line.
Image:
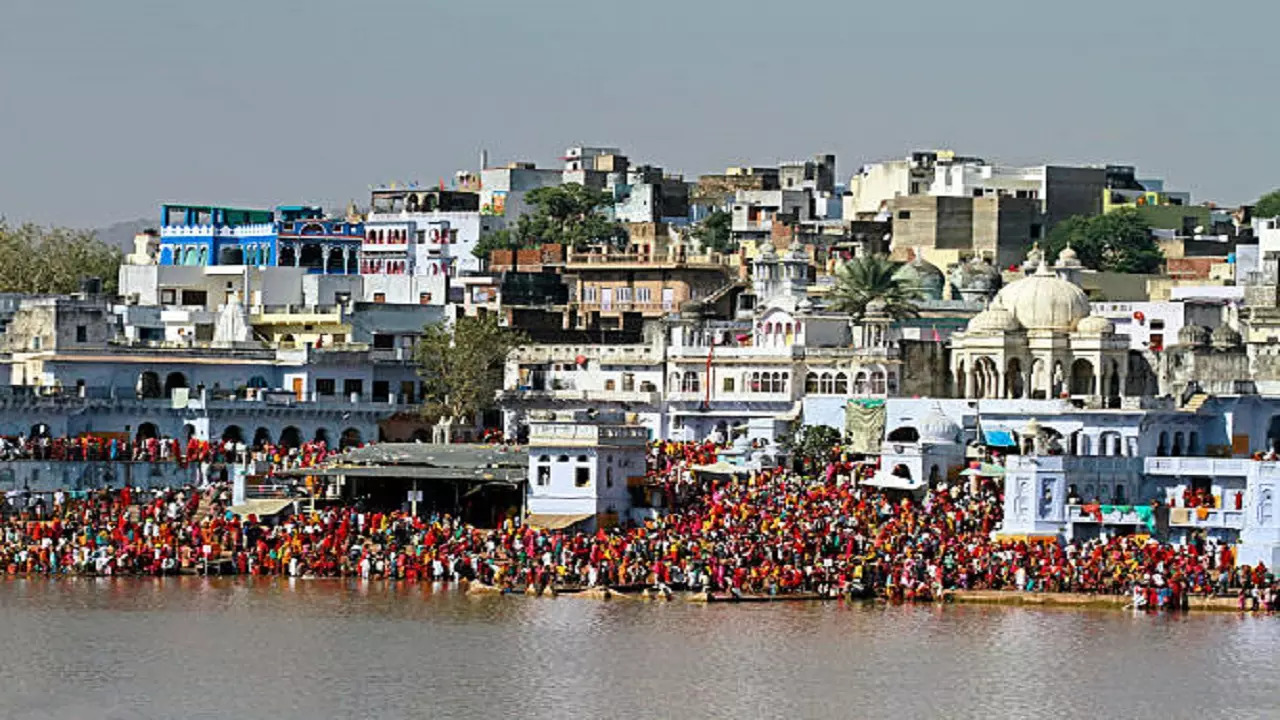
292,236
206,235
327,246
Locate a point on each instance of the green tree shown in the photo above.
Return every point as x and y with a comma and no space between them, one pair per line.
567,214
34,259
462,366
1119,241
1268,206
873,277
714,232
495,240
811,445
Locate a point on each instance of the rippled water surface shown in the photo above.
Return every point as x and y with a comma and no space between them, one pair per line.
193,648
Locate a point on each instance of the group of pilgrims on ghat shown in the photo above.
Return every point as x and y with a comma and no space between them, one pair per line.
812,530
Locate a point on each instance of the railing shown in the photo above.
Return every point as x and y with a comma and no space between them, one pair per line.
1214,518
644,259
624,396
1201,466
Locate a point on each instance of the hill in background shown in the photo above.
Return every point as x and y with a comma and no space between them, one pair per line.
120,235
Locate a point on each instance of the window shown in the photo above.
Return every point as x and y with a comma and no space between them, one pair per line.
424,298
643,295
194,297
544,475
379,297
82,333
977,192
383,342
689,383
326,386
624,294
1157,324
877,382
609,385
904,214
1036,231
589,294
422,236
168,297
352,387
582,477
727,385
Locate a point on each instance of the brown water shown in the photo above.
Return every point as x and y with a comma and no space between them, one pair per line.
193,648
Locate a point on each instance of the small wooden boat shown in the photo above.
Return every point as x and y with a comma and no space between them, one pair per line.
737,597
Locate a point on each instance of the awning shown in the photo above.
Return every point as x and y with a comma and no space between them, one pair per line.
984,470
261,508
720,467
893,482
998,438
548,521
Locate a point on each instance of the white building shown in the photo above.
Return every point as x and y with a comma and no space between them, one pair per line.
580,467
408,257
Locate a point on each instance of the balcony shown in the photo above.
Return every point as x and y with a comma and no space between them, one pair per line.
621,306
1215,518
584,396
585,435
585,260
604,354
1197,466
764,353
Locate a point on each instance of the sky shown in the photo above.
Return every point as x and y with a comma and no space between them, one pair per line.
108,109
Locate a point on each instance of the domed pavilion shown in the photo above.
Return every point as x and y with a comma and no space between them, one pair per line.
1038,339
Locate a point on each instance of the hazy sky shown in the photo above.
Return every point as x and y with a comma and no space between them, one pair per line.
108,109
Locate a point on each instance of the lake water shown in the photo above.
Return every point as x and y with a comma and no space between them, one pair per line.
195,648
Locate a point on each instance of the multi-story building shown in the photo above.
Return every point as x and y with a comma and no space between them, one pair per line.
417,239
1058,191
291,236
947,230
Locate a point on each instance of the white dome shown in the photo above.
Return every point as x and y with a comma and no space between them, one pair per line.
1096,325
938,428
1043,301
994,319
1068,257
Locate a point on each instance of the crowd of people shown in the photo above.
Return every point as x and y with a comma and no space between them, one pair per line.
767,532
162,449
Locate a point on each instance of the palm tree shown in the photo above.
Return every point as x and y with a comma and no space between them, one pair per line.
874,277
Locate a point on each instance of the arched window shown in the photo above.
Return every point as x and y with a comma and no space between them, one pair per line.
860,383
811,383
842,384
783,377
877,382
690,382
826,384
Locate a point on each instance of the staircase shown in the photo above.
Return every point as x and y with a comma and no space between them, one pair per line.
1196,402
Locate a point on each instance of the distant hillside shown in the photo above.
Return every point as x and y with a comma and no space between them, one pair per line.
120,235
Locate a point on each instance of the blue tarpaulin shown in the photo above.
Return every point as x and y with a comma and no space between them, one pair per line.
998,438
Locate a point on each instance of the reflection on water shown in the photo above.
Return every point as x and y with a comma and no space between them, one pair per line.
195,648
